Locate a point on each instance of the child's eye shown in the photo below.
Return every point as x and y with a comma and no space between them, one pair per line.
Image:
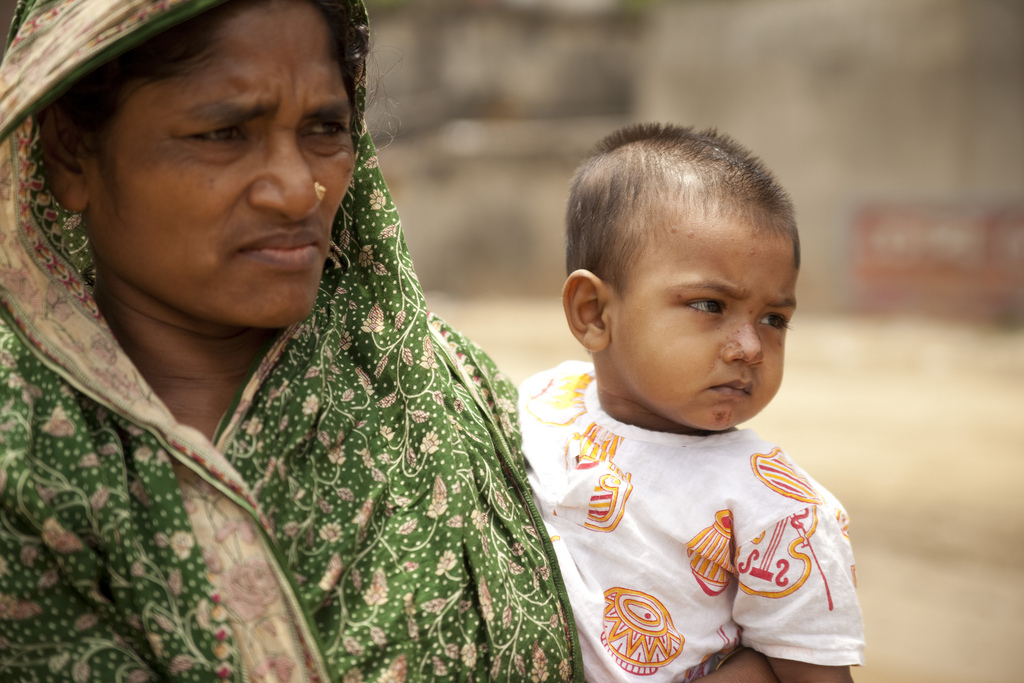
777,321
707,306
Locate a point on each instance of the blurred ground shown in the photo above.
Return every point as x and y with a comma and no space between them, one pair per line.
918,427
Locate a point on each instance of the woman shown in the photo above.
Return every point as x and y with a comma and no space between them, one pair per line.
223,460
220,458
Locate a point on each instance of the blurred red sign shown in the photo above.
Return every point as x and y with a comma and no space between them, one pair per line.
951,260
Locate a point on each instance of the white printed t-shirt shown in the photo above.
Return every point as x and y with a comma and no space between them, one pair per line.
675,547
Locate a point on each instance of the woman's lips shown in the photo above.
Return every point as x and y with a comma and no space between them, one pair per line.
291,251
287,258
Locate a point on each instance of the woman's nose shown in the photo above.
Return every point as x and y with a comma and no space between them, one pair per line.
286,184
743,344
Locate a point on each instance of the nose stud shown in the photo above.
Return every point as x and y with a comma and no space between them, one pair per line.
320,191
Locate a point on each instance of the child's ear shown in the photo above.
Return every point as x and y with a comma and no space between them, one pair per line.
62,154
585,298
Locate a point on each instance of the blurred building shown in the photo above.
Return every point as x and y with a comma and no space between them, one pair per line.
893,118
482,113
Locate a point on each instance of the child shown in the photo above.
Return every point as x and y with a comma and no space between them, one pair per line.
680,536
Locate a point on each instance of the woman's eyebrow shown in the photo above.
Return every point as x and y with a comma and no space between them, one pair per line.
335,109
229,111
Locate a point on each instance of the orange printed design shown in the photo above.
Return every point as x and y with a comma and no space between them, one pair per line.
596,447
560,402
710,554
638,631
844,522
608,503
776,472
762,574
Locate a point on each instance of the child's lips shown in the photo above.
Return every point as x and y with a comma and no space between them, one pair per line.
737,388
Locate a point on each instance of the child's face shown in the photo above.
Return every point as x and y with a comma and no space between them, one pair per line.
696,343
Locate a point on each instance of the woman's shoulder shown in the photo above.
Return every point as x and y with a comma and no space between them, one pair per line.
39,409
479,366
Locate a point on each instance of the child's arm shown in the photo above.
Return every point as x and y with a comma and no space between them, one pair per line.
798,598
790,671
745,666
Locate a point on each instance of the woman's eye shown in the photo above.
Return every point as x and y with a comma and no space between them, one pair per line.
221,134
775,320
707,306
329,128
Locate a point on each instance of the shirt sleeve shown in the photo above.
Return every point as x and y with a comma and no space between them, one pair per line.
797,595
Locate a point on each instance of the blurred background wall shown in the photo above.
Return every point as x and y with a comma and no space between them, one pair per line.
898,127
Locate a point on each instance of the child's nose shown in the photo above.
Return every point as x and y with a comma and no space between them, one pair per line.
743,344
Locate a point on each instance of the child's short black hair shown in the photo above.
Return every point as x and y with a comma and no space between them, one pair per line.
619,185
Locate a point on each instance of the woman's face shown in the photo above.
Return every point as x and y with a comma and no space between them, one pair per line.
200,200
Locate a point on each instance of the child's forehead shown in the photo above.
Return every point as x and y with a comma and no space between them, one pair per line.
688,238
671,218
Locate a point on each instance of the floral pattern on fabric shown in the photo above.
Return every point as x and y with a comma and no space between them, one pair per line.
369,474
248,599
103,575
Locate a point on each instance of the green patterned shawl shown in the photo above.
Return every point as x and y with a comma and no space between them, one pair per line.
375,450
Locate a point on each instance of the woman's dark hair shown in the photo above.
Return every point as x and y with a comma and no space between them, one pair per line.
94,99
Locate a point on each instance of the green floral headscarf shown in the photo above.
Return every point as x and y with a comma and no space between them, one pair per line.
373,452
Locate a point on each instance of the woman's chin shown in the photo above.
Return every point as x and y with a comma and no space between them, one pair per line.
272,313
286,302
273,320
